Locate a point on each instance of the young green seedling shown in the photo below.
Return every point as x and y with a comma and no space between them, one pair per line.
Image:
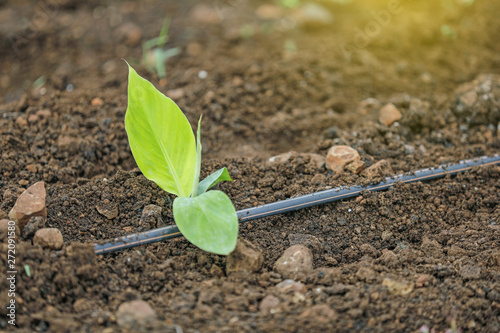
154,55
164,148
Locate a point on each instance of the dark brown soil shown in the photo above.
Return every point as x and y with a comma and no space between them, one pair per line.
441,239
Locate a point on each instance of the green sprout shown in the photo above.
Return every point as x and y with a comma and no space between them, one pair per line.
38,83
154,55
164,148
27,270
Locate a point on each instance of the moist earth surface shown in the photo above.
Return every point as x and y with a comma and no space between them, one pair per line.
408,84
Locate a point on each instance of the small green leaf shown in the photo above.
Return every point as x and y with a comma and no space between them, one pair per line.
209,221
212,180
198,161
160,137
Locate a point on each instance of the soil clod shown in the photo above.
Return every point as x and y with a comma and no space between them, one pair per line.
245,257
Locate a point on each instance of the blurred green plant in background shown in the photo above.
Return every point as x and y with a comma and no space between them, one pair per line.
154,55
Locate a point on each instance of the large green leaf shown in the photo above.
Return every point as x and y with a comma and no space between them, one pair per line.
160,137
215,178
209,221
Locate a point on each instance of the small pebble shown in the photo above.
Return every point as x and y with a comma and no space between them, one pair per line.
338,156
397,288
409,149
269,304
202,75
97,101
107,209
134,314
388,114
44,113
33,118
49,238
21,122
32,168
29,204
175,93
297,260
423,280
290,286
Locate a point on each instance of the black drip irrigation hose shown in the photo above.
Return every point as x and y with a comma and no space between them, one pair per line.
309,200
